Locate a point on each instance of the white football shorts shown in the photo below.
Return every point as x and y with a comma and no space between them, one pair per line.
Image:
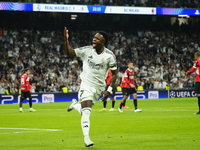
88,92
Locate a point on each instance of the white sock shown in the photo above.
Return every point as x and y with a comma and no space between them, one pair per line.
20,108
85,121
77,106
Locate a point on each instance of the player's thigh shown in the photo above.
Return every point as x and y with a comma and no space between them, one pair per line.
89,93
29,94
86,103
133,91
23,95
84,94
197,88
125,92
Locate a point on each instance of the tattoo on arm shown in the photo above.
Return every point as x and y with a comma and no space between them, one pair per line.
114,77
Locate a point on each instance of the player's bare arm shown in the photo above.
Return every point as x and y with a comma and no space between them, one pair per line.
112,83
69,51
187,75
114,77
131,85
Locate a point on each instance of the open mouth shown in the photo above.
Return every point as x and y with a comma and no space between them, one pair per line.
94,44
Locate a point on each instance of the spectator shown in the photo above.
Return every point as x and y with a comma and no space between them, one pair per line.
159,57
146,85
156,84
2,90
38,87
33,88
61,86
40,91
15,90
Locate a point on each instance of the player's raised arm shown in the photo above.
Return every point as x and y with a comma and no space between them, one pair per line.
69,51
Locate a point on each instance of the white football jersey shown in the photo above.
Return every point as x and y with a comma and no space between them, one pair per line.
95,67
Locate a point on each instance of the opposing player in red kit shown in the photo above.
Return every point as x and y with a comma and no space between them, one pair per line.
25,90
196,68
109,77
128,87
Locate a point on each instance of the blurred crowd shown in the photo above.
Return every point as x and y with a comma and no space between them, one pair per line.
139,3
160,58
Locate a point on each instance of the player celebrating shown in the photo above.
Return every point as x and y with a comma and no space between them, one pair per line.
196,68
128,87
109,77
25,90
96,61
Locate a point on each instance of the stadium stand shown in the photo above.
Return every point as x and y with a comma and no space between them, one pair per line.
160,58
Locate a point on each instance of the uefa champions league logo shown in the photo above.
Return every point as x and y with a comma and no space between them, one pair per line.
172,94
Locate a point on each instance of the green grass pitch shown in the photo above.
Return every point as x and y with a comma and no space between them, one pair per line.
164,124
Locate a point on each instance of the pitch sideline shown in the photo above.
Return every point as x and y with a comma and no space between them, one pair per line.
30,130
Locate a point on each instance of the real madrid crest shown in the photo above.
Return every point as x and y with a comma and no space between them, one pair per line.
103,60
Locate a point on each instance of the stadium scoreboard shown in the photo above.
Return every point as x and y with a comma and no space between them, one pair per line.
38,7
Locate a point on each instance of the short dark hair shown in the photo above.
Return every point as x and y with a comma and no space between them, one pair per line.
25,70
197,54
105,35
